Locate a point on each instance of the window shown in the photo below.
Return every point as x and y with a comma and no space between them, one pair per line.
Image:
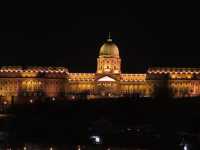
35,94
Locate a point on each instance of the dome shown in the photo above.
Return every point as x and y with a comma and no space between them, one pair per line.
109,49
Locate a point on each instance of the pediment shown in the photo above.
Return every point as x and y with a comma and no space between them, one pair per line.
106,79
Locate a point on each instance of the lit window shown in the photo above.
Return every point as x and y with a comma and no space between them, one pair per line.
96,139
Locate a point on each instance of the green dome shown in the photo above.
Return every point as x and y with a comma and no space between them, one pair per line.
109,49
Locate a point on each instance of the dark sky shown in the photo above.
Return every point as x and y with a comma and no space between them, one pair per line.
146,34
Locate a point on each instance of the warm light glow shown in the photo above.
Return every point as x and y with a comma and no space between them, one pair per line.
29,74
31,85
81,76
116,71
133,77
181,76
106,79
34,82
173,70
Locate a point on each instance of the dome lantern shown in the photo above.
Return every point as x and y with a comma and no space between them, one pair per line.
109,38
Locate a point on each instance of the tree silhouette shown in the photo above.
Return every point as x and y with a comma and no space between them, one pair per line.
162,89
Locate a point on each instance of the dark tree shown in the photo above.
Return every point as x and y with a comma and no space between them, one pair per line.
162,89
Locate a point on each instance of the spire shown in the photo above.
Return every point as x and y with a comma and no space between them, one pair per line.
109,37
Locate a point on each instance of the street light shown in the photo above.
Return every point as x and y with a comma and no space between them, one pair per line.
185,147
96,139
31,101
53,98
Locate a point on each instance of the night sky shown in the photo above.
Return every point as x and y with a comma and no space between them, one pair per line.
146,34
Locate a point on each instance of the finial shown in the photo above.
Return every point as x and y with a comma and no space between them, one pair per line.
109,37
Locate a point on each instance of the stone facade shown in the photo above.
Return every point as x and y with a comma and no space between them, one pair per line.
19,84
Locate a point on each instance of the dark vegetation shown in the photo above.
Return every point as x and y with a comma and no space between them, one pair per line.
161,122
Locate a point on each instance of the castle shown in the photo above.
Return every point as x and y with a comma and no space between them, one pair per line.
21,84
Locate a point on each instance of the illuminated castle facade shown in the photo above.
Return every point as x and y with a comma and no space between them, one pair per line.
21,84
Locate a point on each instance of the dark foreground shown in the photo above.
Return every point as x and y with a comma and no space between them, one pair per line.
115,124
